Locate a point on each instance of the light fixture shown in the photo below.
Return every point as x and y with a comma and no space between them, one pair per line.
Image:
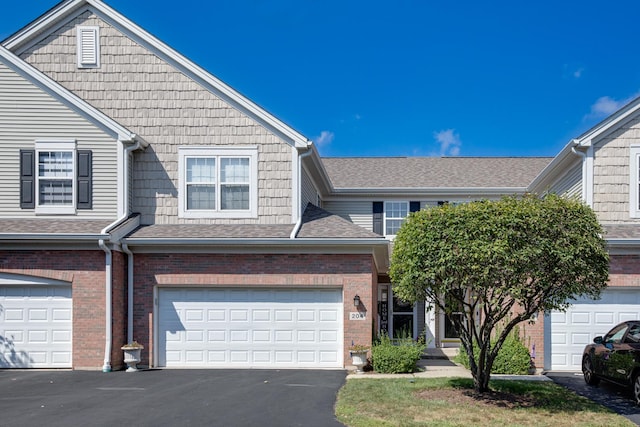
356,300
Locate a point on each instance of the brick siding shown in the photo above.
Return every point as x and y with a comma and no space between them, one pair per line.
85,271
355,274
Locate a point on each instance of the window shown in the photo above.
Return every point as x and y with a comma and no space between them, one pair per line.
55,177
88,47
218,182
394,215
634,183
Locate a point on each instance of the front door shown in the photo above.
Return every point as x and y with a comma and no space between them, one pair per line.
397,318
455,309
402,319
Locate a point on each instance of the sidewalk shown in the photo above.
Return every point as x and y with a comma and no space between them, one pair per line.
443,368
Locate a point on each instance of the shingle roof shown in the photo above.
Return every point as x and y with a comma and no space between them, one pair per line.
433,172
621,231
212,231
318,223
60,227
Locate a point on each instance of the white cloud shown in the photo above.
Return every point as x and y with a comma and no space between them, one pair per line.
325,138
572,71
605,106
449,141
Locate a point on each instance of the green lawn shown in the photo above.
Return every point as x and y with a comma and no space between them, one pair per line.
451,402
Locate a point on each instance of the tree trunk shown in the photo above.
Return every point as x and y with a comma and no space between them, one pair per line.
481,380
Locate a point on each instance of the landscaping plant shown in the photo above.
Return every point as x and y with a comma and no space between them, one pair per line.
396,356
499,261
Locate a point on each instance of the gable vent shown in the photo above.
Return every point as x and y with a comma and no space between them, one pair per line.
88,47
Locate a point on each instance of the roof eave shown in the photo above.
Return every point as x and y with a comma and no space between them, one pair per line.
430,190
299,241
559,161
53,236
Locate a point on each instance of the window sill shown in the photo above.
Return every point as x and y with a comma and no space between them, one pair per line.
214,215
51,210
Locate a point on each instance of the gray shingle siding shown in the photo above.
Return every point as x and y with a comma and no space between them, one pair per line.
151,97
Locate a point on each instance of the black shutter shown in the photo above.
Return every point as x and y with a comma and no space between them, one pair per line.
27,179
84,181
414,206
378,210
442,203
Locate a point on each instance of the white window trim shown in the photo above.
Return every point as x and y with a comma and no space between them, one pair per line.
55,146
634,181
82,63
384,216
218,152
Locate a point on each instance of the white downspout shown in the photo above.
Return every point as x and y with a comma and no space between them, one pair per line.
108,275
109,257
296,227
127,251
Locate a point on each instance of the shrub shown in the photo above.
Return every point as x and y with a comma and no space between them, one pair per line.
401,356
513,358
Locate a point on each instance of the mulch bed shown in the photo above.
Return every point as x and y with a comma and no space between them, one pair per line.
470,397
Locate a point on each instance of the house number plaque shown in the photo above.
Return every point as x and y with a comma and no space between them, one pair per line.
357,316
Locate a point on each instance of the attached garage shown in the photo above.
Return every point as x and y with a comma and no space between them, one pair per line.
249,328
569,332
35,323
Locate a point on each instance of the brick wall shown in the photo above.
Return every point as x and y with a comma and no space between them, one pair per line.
355,274
85,270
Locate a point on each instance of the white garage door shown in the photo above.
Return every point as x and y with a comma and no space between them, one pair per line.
585,320
35,326
240,328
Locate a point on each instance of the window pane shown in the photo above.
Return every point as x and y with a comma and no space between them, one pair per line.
234,197
55,164
58,192
201,196
234,170
393,225
396,210
201,169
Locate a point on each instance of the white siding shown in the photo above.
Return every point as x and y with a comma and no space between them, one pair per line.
308,191
28,113
570,185
358,212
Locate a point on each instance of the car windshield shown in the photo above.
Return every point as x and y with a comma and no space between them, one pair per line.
616,334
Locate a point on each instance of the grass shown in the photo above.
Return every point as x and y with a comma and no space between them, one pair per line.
449,402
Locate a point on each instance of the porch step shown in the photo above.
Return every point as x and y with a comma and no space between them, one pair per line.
440,353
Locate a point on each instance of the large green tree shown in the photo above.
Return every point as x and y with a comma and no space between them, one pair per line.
503,262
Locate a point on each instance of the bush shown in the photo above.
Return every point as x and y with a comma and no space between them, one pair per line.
513,358
399,357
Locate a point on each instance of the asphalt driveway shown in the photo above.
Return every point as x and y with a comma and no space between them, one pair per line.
170,398
614,397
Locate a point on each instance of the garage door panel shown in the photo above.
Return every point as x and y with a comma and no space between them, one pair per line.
36,324
251,328
586,320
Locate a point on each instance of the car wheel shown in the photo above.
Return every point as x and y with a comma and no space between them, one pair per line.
636,388
591,378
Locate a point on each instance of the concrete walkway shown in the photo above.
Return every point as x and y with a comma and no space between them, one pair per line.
442,368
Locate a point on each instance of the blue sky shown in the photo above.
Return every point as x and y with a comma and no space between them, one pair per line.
407,77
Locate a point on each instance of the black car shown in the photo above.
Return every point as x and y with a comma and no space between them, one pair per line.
615,358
